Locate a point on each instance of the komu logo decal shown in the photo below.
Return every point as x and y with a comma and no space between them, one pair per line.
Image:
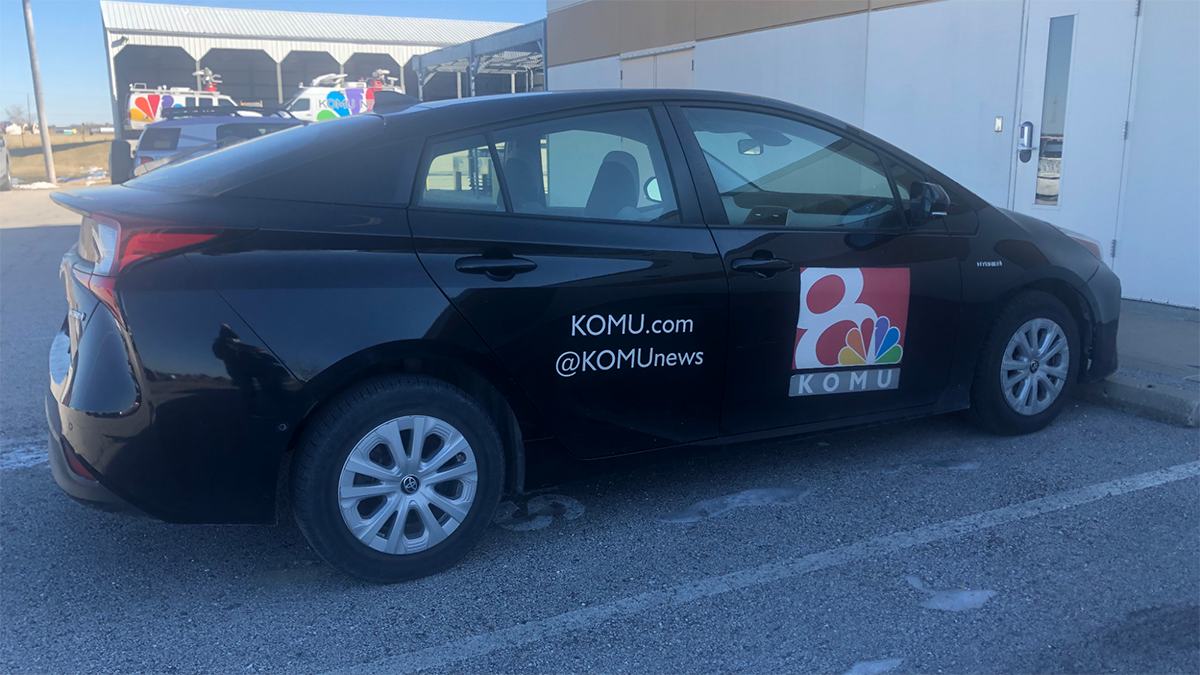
346,102
850,317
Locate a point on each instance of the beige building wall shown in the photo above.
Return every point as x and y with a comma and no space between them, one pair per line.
596,29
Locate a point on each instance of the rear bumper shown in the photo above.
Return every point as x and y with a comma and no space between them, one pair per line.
87,492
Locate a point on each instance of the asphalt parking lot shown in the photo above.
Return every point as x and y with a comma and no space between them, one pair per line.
919,547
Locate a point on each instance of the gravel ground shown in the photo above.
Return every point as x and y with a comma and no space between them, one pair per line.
924,546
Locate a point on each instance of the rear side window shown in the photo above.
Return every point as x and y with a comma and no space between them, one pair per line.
605,166
153,140
779,172
259,158
459,174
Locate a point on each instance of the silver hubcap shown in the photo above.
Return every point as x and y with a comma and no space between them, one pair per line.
1035,366
408,484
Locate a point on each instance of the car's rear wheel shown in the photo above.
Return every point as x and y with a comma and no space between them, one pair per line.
397,478
1028,366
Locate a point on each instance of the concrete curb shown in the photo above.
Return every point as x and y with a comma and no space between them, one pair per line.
1153,401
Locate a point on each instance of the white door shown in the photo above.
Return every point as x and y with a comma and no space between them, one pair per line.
637,73
668,70
1074,104
673,70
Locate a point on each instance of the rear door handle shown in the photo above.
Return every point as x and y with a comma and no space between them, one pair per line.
763,267
496,269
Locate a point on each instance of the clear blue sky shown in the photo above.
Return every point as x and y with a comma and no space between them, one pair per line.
71,46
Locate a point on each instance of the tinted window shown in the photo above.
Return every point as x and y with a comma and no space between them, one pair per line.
459,174
252,130
606,166
158,139
300,104
230,167
775,171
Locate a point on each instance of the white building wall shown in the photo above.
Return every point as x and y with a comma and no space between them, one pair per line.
932,79
1158,237
596,74
938,76
819,65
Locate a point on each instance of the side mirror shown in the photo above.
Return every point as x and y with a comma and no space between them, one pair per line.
652,191
749,146
926,202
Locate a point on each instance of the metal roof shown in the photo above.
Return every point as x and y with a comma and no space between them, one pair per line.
185,20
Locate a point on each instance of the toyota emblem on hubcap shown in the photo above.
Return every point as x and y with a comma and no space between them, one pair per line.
409,484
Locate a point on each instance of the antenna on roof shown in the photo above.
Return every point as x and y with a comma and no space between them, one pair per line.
329,80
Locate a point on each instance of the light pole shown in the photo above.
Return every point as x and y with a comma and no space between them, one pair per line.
37,95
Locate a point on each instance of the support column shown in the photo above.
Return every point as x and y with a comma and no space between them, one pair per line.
472,65
197,71
459,76
279,80
513,80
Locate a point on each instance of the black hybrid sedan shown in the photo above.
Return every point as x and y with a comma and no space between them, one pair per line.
426,309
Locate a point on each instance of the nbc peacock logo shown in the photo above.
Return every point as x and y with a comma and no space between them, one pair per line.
850,317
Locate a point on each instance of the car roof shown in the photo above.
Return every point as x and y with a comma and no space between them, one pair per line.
437,116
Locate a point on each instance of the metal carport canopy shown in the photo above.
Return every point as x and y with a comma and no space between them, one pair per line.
197,30
497,53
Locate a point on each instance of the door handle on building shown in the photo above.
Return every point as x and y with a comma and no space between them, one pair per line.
1025,145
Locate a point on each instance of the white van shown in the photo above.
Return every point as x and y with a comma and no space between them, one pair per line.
330,96
145,105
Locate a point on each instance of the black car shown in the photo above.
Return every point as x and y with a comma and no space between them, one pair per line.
426,309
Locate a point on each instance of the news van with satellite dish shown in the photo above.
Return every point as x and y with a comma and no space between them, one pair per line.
330,96
145,105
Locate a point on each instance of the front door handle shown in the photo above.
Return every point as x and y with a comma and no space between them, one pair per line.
764,266
496,269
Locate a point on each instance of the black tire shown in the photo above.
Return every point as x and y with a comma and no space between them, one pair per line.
989,409
331,437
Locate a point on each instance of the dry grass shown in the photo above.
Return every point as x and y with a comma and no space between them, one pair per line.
74,155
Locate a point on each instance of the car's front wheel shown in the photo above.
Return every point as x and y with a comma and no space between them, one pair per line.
397,478
1028,366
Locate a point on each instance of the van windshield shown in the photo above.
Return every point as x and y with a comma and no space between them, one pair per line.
225,169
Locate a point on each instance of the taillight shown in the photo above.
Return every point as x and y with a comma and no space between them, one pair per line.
116,248
145,160
1091,246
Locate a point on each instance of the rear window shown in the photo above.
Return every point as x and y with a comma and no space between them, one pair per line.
158,139
231,167
253,130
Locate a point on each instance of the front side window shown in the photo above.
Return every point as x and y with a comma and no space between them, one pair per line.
459,175
604,166
778,172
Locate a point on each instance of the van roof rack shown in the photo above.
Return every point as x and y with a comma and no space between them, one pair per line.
224,111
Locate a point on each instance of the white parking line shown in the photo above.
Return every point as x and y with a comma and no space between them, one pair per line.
581,619
22,453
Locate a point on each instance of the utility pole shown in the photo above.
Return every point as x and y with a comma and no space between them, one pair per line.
37,96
